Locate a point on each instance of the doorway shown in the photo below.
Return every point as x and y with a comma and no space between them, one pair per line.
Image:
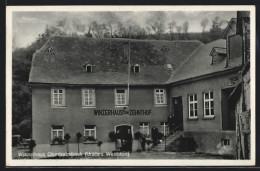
123,129
228,106
177,109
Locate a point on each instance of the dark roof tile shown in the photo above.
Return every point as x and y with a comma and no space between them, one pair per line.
110,65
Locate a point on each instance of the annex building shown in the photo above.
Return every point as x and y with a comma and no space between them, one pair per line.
80,84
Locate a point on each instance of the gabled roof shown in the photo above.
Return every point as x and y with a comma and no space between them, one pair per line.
200,63
230,29
218,50
65,64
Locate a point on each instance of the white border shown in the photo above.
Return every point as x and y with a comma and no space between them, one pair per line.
132,162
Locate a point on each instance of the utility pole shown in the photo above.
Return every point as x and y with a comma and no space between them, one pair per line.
129,67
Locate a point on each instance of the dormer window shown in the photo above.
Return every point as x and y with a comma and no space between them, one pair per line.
50,50
218,54
136,69
169,66
165,49
111,47
89,68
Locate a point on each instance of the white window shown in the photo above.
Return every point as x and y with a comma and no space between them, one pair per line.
208,104
90,132
160,96
144,128
136,68
89,68
88,97
193,106
57,131
120,97
58,96
164,128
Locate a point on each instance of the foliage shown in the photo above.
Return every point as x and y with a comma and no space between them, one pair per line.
112,135
157,22
99,143
32,144
89,138
78,135
67,137
138,135
204,22
160,136
58,140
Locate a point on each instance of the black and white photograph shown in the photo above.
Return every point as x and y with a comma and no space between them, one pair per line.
130,86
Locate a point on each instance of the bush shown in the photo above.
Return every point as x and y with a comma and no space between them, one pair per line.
138,135
59,140
112,135
89,138
160,136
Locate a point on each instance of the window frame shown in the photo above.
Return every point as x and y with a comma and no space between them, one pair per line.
84,98
91,68
89,129
139,68
209,100
164,97
63,97
165,126
225,142
143,126
125,95
57,131
193,104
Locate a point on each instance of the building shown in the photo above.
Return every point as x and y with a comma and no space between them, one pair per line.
81,85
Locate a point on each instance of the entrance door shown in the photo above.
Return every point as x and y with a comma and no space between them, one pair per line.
178,111
123,130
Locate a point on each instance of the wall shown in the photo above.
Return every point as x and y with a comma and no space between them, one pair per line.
210,142
216,84
74,117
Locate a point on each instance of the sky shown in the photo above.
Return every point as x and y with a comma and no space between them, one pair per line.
28,25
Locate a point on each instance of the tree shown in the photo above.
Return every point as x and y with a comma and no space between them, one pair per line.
138,136
99,145
111,21
67,138
32,144
78,135
185,27
98,29
157,22
171,26
216,28
204,23
178,29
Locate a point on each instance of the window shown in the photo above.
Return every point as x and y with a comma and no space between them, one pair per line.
144,128
120,97
193,106
208,104
90,132
160,96
137,69
225,142
164,128
57,131
88,97
89,68
58,97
